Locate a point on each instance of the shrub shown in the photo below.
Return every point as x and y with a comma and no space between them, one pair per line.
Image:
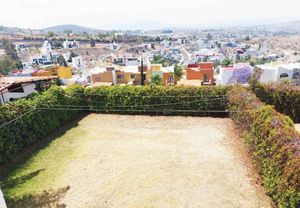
274,144
56,106
37,124
285,98
158,100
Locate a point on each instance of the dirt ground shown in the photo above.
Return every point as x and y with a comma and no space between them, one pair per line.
169,162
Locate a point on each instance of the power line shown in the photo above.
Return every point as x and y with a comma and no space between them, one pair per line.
146,105
150,96
151,110
15,119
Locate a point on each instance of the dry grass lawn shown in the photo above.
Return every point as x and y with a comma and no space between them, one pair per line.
139,161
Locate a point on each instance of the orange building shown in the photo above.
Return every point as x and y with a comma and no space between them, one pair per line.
201,71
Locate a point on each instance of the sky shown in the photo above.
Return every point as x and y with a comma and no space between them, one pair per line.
107,14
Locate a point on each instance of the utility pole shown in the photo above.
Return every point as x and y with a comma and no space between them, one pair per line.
142,71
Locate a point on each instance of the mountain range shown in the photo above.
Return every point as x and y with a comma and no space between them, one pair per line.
284,28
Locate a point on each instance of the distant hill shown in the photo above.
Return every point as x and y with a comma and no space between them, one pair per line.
74,28
135,25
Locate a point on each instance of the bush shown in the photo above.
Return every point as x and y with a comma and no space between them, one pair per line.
274,144
285,98
57,106
37,124
158,100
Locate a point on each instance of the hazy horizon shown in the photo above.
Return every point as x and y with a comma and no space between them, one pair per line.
133,14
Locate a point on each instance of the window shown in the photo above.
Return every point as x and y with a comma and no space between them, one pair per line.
120,76
89,79
170,79
132,76
206,78
16,88
284,75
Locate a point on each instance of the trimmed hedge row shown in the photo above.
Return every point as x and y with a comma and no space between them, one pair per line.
274,144
285,98
159,100
56,106
35,125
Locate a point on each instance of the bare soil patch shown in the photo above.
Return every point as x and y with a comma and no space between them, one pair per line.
141,161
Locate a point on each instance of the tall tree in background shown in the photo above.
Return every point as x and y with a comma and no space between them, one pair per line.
72,55
62,61
156,79
92,43
241,75
10,49
10,61
178,71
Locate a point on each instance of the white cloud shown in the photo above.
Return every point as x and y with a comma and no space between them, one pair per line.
94,13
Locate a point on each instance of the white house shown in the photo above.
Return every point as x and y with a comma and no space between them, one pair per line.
12,88
166,43
2,201
77,62
113,46
46,48
125,60
71,44
275,72
226,73
44,59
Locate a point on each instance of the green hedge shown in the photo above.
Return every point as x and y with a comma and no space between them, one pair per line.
56,106
285,98
37,124
274,144
159,100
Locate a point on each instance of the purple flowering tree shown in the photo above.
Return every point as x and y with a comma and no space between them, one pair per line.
241,74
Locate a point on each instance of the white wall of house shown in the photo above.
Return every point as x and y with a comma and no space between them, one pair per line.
224,76
2,202
28,89
77,62
283,70
131,62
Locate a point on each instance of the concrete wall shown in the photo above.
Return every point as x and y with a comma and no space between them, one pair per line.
28,89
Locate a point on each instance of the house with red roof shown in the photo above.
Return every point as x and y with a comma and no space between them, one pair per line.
201,71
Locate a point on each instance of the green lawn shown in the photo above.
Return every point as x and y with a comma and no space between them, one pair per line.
29,181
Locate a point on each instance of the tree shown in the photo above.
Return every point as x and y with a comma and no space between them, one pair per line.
50,34
156,79
241,75
10,49
209,36
7,64
67,32
158,59
226,62
62,61
205,59
178,71
72,55
92,43
57,44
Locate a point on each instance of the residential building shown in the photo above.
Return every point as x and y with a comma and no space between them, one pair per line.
71,44
46,48
77,62
113,46
12,88
201,71
165,73
274,72
226,73
125,60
